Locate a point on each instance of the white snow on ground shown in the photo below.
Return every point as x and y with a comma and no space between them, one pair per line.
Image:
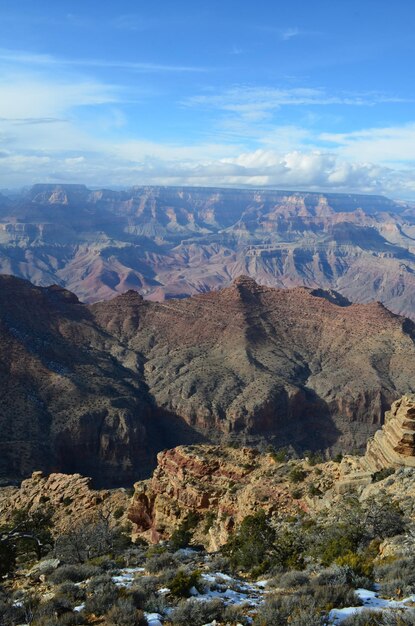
127,576
154,619
235,591
370,601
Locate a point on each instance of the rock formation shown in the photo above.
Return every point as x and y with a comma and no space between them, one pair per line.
218,485
394,444
100,389
171,242
70,496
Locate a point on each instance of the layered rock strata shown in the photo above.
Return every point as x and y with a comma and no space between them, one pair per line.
219,487
394,444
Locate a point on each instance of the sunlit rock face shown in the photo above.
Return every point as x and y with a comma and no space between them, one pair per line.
394,444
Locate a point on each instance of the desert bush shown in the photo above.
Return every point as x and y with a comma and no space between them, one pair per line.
88,540
73,573
103,598
383,518
219,563
297,475
124,613
159,562
196,613
145,585
342,575
397,578
182,536
182,583
327,597
72,592
382,474
289,610
383,618
292,579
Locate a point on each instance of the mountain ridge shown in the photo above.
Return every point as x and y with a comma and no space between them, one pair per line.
99,389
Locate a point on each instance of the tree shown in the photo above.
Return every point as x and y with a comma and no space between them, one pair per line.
27,530
252,543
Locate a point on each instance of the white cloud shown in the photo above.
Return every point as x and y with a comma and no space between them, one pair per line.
28,59
288,33
378,144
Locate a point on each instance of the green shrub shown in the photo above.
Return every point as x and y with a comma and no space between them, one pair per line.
313,491
183,582
73,573
381,474
119,512
159,562
297,475
252,544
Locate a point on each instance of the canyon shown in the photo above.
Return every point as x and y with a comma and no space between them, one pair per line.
176,241
100,389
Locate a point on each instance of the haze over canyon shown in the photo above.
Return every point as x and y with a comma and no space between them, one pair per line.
173,242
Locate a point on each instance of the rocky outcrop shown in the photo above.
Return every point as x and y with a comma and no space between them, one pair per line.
394,444
219,487
70,496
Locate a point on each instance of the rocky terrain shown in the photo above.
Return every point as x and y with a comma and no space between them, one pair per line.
70,496
173,242
288,541
220,486
100,389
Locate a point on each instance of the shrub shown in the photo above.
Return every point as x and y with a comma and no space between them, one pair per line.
279,456
313,491
297,475
328,597
292,579
104,597
124,613
159,562
293,610
397,578
381,474
119,512
73,573
196,613
219,563
183,582
252,544
361,564
73,592
383,518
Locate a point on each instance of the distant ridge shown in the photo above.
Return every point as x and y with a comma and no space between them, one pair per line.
177,241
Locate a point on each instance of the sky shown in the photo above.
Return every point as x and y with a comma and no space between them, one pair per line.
300,95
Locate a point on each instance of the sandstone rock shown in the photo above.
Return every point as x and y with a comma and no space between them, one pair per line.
394,444
71,497
222,486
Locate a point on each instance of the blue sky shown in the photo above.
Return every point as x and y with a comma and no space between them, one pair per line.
298,95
